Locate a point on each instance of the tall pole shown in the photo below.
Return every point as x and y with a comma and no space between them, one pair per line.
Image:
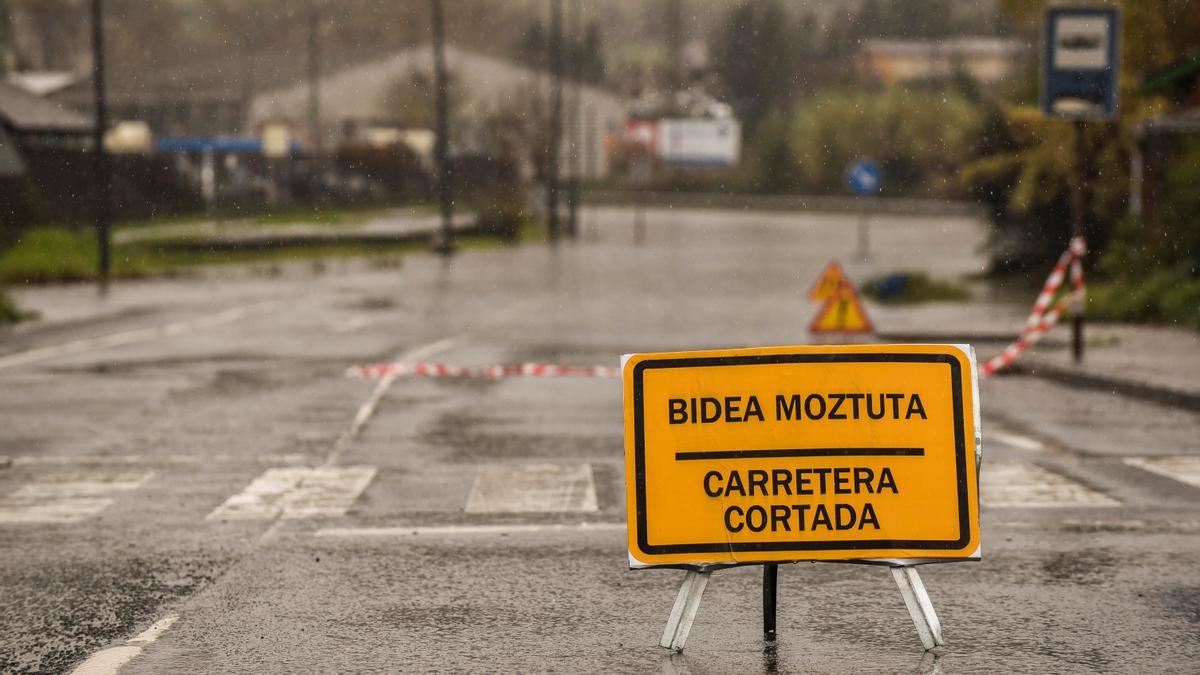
1079,201
556,111
99,157
314,76
444,244
576,100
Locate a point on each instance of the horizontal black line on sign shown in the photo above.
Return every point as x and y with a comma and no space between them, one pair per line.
801,452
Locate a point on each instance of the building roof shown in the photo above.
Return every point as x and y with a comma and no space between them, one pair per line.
359,91
22,111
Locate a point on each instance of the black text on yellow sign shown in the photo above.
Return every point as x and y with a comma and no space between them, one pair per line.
801,453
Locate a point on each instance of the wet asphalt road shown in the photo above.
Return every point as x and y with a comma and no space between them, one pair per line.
134,443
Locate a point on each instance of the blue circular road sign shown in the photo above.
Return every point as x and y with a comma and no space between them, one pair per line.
864,177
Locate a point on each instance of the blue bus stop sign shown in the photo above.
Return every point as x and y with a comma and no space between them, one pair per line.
864,177
1079,63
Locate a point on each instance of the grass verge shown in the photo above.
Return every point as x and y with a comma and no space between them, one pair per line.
9,312
1164,296
906,288
55,255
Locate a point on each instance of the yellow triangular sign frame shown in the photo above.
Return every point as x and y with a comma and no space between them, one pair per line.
843,312
827,284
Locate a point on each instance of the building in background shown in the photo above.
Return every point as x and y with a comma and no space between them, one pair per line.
493,101
33,121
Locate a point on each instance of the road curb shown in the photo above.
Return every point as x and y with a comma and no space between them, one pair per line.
1155,393
750,202
273,241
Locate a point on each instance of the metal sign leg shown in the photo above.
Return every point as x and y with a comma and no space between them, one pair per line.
770,591
687,603
919,606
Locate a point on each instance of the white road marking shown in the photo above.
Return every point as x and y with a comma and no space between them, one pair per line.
67,498
129,337
1018,484
350,324
109,661
1015,440
66,460
367,409
533,488
296,493
1183,468
519,528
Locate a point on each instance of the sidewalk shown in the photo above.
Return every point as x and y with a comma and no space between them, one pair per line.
1156,363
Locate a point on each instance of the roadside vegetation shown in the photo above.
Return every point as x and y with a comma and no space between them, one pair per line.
56,255
907,288
953,139
9,312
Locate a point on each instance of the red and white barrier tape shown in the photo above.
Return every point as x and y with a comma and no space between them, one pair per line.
490,372
1044,316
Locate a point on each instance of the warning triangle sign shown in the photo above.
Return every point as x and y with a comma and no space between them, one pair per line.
842,313
826,285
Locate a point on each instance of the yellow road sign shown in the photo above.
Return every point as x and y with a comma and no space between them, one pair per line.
801,453
843,312
826,285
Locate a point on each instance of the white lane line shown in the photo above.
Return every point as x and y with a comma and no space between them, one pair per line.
1015,440
451,530
1109,525
327,492
129,337
297,493
109,661
1019,484
1183,468
367,409
350,324
67,498
67,460
533,488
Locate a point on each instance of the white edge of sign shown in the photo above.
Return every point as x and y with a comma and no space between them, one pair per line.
977,554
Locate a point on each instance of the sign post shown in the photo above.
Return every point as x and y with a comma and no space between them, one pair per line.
1080,66
854,453
865,180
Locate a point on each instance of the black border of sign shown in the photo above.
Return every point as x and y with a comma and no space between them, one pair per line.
960,447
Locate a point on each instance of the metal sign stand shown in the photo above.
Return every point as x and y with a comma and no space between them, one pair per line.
687,604
919,606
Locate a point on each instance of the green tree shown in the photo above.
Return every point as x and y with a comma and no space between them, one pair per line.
919,138
1027,179
754,58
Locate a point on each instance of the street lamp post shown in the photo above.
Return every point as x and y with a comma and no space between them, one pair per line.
100,167
444,243
314,77
556,112
576,97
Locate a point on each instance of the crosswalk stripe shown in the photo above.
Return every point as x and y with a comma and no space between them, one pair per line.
68,497
1183,468
533,488
1018,484
297,492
